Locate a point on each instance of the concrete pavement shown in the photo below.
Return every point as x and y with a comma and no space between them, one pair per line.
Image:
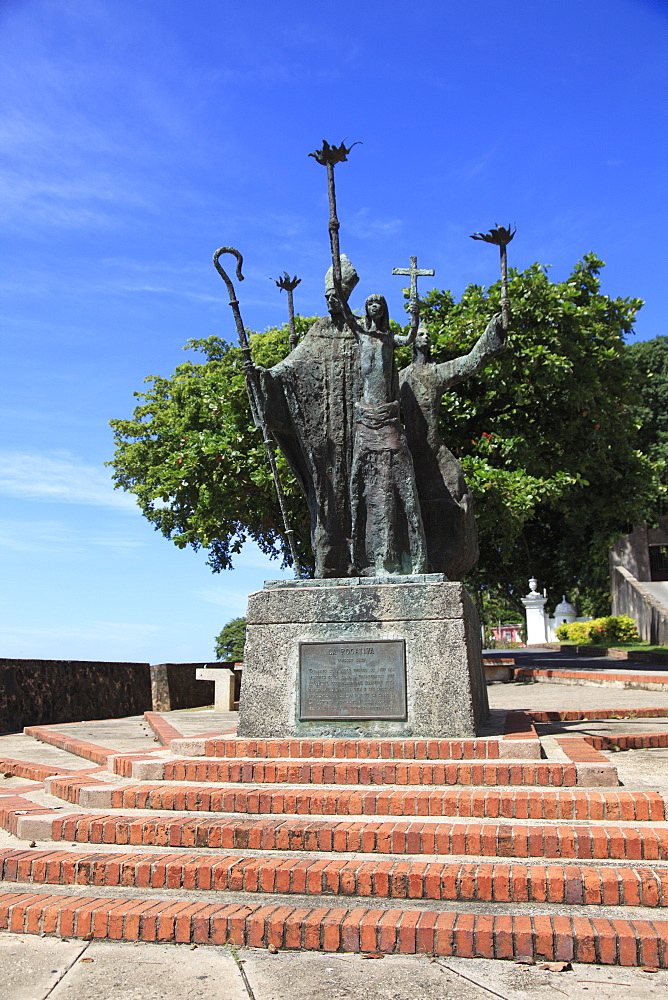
34,968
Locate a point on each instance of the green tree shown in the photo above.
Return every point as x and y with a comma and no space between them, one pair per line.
650,362
197,465
547,435
230,641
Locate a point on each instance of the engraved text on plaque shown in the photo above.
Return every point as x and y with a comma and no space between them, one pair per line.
352,680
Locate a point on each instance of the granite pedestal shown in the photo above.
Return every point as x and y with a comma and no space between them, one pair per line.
362,657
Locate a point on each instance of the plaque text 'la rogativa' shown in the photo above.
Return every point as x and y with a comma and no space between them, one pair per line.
352,680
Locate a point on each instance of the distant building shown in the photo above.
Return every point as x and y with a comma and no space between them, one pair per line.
540,627
507,633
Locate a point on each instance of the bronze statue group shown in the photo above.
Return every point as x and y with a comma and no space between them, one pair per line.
386,496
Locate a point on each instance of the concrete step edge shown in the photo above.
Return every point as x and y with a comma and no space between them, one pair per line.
362,800
388,931
471,882
379,773
600,842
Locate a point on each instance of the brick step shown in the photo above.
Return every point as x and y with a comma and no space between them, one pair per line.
628,741
488,882
416,837
31,770
589,715
519,740
69,742
490,803
348,772
407,931
396,749
650,681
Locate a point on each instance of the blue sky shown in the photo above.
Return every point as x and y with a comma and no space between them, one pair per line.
139,135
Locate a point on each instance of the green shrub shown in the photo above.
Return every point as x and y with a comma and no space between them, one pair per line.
624,629
576,632
614,628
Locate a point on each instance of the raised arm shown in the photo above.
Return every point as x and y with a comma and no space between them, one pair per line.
488,346
352,322
403,339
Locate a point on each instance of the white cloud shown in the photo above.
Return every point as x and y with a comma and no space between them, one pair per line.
34,536
92,640
364,227
164,290
231,599
99,631
50,536
251,557
59,477
251,568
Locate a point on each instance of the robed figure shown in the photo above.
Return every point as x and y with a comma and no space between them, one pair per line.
445,499
387,532
308,403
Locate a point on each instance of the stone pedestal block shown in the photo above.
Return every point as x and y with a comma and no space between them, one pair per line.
360,657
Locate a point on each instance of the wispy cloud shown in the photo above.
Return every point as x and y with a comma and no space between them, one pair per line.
363,226
51,536
252,557
92,640
59,477
103,640
164,290
251,568
57,173
34,536
112,278
119,631
231,599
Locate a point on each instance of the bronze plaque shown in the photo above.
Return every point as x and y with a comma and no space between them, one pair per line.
352,680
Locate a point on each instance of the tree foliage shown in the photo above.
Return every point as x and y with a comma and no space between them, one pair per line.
649,359
230,641
197,465
547,435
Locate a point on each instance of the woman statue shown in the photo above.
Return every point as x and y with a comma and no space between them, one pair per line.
387,533
445,500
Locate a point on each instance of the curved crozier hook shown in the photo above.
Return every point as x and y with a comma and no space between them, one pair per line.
230,287
219,266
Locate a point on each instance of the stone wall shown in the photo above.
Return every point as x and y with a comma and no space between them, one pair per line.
629,597
174,685
45,692
40,692
632,551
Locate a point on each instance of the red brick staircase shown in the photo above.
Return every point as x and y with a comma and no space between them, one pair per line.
475,848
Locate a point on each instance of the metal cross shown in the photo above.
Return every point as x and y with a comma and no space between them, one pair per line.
414,271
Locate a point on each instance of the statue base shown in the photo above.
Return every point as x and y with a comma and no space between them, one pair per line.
362,657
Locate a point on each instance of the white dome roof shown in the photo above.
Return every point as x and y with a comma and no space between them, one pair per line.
564,608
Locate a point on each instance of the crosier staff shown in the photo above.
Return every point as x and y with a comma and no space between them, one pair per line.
288,284
253,396
501,237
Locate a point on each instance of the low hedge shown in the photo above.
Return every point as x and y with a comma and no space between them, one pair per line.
614,628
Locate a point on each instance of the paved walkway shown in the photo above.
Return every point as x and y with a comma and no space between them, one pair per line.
39,968
547,697
34,968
